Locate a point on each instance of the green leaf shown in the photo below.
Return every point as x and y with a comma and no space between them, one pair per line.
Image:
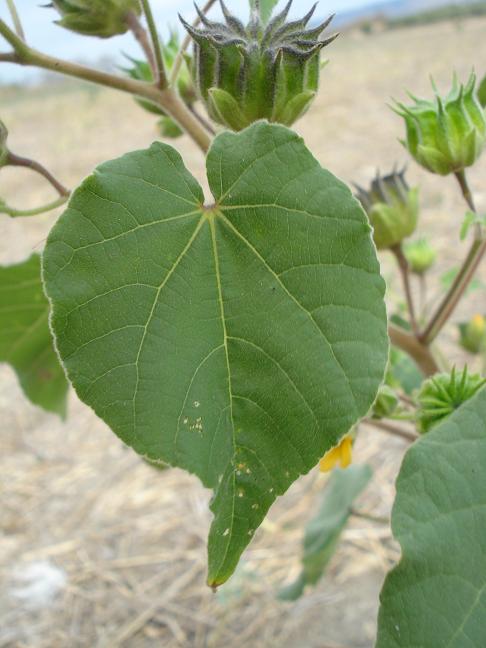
448,277
482,92
240,340
25,339
403,372
265,7
324,531
437,594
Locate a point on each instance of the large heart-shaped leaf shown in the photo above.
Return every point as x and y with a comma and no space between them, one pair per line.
238,340
436,597
25,339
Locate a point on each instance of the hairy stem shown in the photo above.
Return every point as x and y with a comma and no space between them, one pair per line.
16,19
393,429
17,213
404,268
142,38
420,352
161,77
166,99
465,274
185,44
16,160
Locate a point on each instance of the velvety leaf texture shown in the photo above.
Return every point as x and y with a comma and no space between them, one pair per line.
239,340
25,339
323,532
437,594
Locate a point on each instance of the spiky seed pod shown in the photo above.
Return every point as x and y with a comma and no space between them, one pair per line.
473,334
142,71
386,403
102,18
245,73
441,395
448,134
420,255
3,144
392,208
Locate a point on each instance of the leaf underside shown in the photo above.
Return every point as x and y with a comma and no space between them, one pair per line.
25,339
437,594
238,341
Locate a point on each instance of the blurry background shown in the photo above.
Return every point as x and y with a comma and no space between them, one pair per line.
99,549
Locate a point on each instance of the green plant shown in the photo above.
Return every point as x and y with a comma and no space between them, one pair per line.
243,336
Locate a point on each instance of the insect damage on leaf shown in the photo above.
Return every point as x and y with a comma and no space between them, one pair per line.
239,341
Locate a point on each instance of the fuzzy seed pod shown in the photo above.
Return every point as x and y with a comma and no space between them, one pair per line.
441,395
392,208
421,256
102,18
448,134
243,74
3,144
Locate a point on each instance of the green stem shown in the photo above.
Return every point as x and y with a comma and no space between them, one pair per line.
404,268
16,160
465,275
166,99
395,430
16,213
141,37
420,352
161,76
16,19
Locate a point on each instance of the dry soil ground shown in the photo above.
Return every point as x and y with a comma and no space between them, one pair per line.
120,546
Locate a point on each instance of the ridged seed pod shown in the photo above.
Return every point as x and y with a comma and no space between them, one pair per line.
245,73
448,134
102,18
441,395
392,208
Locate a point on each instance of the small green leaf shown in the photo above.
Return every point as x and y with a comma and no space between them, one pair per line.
437,594
265,8
482,92
239,341
323,532
471,219
25,339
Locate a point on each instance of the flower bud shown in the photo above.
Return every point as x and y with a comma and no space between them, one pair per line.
169,128
102,18
243,74
420,255
392,208
473,334
386,403
442,394
3,144
448,134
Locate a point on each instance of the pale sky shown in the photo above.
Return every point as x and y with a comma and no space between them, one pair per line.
43,34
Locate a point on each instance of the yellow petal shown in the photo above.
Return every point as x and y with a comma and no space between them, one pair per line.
346,452
341,454
330,460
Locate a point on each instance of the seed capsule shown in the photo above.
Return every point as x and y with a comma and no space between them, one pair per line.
441,395
421,256
102,18
245,73
392,208
448,134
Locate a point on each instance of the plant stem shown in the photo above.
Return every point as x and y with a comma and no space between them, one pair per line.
16,160
420,352
369,516
161,77
465,274
16,19
167,98
185,44
395,430
404,268
16,213
142,38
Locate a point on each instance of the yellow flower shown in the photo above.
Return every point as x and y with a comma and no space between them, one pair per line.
342,454
479,324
